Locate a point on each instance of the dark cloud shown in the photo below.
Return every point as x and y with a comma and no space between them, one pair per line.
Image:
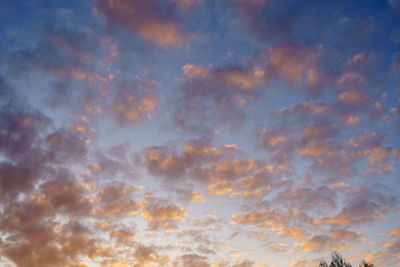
213,96
308,199
20,129
66,197
65,146
192,260
313,23
370,202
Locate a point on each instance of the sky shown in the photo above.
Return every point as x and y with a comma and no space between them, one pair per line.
199,133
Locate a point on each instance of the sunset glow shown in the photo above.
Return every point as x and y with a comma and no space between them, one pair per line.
199,133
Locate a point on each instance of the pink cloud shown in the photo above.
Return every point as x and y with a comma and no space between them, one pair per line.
146,19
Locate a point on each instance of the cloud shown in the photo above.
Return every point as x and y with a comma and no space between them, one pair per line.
122,234
117,200
124,142
228,90
16,178
292,63
30,150
300,263
65,146
308,199
353,98
287,21
205,165
83,73
280,223
336,240
158,163
194,260
394,232
192,196
163,161
21,129
133,103
188,5
36,237
396,62
322,145
163,217
65,196
369,202
315,109
147,254
363,206
245,263
318,243
146,19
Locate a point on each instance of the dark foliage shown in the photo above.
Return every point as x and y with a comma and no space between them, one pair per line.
338,261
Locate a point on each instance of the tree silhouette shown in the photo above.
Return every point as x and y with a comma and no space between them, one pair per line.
338,261
365,264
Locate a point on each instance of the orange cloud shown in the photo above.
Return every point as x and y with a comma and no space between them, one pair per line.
394,232
293,63
188,5
197,197
146,19
350,119
133,104
93,110
122,234
300,263
353,97
163,217
313,149
117,201
245,79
